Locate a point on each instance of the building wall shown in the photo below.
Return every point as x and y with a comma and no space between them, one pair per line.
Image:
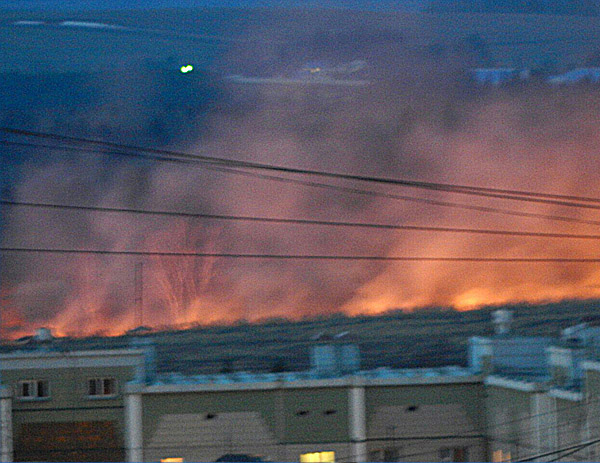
592,400
277,424
68,425
281,422
204,426
68,387
426,422
509,425
571,425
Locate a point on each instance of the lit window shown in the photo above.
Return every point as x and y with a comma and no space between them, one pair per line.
33,389
318,457
102,387
171,460
499,455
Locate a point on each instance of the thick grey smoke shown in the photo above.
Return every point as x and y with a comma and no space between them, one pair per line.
418,119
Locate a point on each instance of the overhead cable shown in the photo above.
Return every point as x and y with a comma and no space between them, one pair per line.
507,194
293,221
513,260
313,184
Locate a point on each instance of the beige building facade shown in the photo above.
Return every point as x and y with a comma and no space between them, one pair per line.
354,418
519,399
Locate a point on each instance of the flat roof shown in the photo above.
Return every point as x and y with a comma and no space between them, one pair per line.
176,382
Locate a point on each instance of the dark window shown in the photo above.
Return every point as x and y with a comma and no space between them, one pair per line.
42,389
460,454
99,387
375,455
33,389
391,454
457,454
108,386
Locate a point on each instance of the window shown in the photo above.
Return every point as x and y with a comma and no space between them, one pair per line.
499,455
375,455
445,454
102,387
391,454
171,460
318,457
33,389
386,454
454,454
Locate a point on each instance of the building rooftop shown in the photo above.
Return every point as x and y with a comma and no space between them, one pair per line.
405,374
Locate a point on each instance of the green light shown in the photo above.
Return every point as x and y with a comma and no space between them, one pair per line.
186,69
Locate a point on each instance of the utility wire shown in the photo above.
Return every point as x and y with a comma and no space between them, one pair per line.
569,453
358,191
432,202
275,220
116,152
516,195
512,260
577,447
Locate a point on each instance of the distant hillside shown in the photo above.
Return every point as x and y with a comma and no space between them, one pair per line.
424,338
222,40
74,5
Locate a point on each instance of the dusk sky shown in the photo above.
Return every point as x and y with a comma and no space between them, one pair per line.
368,93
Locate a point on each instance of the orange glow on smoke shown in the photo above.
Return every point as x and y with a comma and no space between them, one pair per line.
498,148
13,323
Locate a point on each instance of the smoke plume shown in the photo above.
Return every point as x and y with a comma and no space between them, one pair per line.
418,119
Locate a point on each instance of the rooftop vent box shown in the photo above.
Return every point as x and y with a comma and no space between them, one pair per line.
43,335
334,355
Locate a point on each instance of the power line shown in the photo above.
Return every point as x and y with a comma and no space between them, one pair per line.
291,221
113,151
358,191
432,202
569,453
513,260
507,194
577,447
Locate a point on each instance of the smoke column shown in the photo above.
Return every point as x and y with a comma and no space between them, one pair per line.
418,119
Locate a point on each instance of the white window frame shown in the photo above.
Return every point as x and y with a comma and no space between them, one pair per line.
34,384
100,381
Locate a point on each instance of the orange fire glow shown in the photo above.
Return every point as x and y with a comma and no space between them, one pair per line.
545,143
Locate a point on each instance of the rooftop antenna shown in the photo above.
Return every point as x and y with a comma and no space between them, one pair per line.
139,293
